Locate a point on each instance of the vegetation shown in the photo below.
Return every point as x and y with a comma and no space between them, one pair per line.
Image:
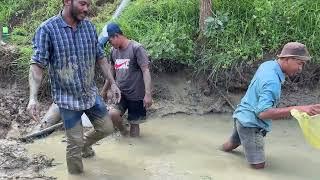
239,31
23,17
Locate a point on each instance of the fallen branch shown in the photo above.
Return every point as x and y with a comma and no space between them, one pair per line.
41,132
225,97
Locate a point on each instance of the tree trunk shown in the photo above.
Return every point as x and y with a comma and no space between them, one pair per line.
205,12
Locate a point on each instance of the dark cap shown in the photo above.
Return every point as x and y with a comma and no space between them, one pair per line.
112,29
295,50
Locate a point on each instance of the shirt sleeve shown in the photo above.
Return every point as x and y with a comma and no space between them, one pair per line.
41,47
268,97
100,49
142,56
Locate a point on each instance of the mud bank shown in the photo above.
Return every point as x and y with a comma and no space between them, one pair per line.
17,163
175,93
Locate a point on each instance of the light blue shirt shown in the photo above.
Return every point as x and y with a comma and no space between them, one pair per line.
263,93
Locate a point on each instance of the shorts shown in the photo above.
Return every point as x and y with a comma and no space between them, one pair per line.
71,117
136,110
252,140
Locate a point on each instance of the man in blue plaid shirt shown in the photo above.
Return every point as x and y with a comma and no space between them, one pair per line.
67,44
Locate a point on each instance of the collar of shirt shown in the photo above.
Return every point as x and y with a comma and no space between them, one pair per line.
279,72
62,22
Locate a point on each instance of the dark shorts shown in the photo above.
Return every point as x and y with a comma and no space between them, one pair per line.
252,140
136,110
71,117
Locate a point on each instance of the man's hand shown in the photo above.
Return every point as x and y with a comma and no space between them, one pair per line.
104,94
116,92
33,109
310,109
35,77
147,100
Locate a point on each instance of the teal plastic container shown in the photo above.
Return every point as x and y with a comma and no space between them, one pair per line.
5,33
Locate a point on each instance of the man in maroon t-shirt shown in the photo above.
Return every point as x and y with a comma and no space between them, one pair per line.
131,68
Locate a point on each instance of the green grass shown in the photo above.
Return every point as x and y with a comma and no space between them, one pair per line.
239,31
166,27
33,13
255,28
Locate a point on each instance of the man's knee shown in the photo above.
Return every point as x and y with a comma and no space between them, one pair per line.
114,114
74,146
258,166
229,146
105,127
75,136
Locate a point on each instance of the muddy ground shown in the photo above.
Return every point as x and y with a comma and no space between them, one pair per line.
174,92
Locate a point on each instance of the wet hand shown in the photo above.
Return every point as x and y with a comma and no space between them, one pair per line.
33,109
147,100
104,95
110,98
311,109
116,92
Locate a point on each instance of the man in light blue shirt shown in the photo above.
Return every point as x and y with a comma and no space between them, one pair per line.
254,113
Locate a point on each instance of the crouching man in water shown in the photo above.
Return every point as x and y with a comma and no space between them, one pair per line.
252,117
68,45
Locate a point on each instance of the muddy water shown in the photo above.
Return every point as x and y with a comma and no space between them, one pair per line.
186,147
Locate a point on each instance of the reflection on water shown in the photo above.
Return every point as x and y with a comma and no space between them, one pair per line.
186,147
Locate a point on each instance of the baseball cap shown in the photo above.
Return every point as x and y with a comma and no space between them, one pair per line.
112,29
296,50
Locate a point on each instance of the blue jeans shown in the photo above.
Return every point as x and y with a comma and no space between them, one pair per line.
252,140
77,142
71,117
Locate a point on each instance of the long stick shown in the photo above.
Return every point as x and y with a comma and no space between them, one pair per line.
42,132
225,97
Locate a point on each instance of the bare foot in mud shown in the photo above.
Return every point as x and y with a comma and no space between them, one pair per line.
228,146
88,152
134,130
124,132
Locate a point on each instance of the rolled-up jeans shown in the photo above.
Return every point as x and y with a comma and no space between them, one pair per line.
252,140
76,141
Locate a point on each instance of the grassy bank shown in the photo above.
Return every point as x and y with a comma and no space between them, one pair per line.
239,31
23,17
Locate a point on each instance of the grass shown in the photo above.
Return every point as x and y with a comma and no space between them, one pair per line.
255,28
33,13
166,27
239,31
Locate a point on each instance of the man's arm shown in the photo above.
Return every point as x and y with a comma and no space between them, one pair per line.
107,85
143,62
147,83
279,113
35,78
267,98
106,69
276,113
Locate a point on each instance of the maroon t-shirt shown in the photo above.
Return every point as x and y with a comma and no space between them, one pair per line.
127,64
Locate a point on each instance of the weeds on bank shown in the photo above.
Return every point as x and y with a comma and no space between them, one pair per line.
33,13
239,31
167,28
247,30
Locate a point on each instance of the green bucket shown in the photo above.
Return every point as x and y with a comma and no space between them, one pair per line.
5,33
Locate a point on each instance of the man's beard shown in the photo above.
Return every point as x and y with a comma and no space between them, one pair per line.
75,12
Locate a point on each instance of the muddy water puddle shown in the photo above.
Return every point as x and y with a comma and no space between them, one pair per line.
182,147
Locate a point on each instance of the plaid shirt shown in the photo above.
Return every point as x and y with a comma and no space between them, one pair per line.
70,56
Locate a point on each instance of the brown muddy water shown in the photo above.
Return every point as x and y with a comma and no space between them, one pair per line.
183,147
